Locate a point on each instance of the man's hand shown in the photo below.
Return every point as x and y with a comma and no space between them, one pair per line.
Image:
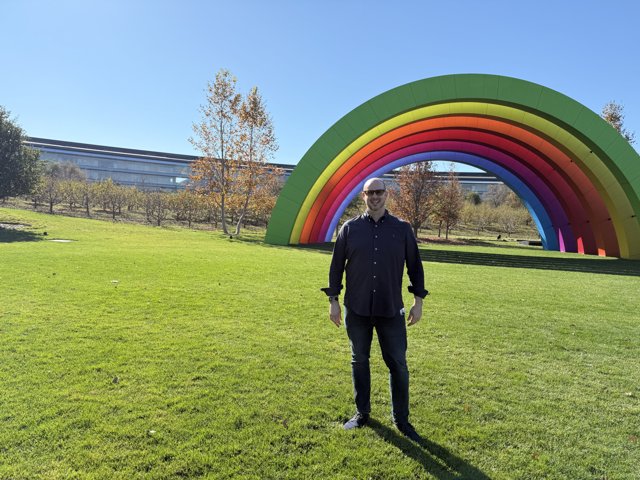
334,313
416,312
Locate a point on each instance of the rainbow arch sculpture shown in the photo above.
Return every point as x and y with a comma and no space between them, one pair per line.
578,177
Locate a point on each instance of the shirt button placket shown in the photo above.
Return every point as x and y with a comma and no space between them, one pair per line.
375,249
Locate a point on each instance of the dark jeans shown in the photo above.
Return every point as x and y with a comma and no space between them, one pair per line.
392,336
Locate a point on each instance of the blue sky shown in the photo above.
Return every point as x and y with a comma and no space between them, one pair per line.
133,73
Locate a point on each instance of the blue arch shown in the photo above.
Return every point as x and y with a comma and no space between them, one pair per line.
538,213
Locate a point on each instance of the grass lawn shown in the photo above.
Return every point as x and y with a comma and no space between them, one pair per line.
141,352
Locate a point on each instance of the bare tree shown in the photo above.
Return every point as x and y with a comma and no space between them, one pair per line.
510,218
49,191
497,195
613,113
448,205
89,195
215,135
187,206
112,196
72,192
157,206
480,216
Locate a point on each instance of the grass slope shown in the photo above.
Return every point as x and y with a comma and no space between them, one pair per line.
138,352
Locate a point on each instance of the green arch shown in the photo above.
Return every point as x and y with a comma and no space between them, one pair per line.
575,122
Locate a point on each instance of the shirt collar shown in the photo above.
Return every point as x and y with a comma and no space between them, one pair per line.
382,218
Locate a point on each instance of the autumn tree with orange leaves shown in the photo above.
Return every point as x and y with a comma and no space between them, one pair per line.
448,205
214,173
235,136
255,145
418,191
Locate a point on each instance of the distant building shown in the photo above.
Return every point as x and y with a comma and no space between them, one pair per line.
170,171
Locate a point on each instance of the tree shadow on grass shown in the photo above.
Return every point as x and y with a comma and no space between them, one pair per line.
609,266
10,235
435,459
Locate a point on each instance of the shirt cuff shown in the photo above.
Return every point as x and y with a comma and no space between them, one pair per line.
332,291
418,292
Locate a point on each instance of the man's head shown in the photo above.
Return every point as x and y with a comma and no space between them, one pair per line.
374,194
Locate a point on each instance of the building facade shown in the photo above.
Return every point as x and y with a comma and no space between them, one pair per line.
151,170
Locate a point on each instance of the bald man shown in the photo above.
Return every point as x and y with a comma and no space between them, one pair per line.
373,249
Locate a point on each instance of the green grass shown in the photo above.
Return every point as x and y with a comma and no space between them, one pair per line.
140,352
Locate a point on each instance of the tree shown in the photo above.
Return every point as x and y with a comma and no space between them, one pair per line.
68,180
418,189
481,216
215,135
72,192
473,198
20,168
89,195
157,205
497,194
48,191
449,202
187,206
613,113
255,145
267,193
52,188
510,218
112,196
134,198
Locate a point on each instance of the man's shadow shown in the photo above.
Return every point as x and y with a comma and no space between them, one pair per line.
435,460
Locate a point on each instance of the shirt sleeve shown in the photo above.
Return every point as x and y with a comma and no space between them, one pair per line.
414,265
338,260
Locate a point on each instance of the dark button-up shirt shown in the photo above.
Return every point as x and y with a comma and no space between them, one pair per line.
373,254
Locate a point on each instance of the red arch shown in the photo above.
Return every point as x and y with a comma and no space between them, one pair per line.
546,158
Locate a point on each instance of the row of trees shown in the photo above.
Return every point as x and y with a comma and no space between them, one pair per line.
484,216
235,137
64,184
422,197
232,180
426,200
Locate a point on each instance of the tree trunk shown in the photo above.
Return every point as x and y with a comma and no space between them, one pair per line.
237,232
225,230
245,207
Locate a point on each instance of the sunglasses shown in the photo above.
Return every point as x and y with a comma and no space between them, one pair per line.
369,193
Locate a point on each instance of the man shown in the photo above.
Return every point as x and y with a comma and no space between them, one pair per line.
373,249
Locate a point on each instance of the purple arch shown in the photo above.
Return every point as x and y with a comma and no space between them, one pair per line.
541,218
